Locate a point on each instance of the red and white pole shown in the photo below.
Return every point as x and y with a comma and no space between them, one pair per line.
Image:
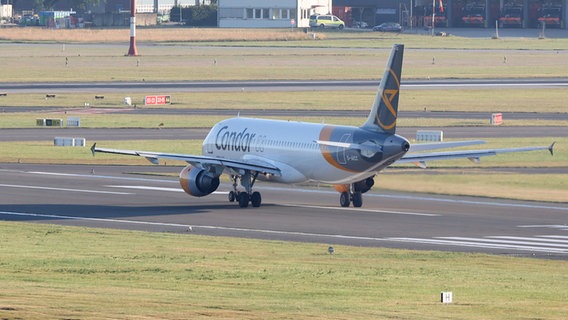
132,51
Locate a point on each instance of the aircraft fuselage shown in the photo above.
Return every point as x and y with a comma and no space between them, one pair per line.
306,151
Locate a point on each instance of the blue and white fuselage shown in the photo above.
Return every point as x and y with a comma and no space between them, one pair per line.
305,151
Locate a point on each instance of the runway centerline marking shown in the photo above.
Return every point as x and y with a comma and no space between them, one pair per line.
189,227
457,200
365,210
63,189
158,189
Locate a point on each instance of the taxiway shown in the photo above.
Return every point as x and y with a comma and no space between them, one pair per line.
126,197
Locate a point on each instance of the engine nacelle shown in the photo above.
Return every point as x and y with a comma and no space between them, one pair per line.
197,182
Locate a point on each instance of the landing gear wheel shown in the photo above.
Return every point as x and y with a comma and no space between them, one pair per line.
255,199
357,199
344,199
232,196
243,199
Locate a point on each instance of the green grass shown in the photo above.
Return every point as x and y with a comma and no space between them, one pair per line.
182,61
480,100
534,187
55,272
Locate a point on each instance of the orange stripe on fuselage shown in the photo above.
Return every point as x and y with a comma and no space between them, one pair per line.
325,135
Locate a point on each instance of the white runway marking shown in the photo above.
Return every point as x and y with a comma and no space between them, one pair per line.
55,216
62,189
189,227
147,188
544,243
365,210
158,189
458,200
534,244
549,226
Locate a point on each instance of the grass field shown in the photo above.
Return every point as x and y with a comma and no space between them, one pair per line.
478,100
181,55
56,272
82,62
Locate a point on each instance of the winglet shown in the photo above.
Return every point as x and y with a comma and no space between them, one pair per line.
551,148
93,148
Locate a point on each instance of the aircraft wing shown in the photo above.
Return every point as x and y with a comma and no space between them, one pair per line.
195,160
473,155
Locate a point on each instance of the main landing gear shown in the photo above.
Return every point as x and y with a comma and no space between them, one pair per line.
353,193
244,197
347,197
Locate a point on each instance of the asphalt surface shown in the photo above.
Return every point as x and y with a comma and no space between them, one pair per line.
273,85
120,197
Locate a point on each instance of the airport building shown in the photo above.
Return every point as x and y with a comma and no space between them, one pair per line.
409,13
355,13
269,13
455,13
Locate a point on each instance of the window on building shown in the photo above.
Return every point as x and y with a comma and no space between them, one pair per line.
281,14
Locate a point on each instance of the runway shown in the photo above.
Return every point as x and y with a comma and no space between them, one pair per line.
273,85
122,197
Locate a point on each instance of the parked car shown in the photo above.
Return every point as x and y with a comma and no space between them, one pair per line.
326,21
388,27
360,24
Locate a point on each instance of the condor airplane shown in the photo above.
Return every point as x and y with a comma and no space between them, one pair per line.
293,152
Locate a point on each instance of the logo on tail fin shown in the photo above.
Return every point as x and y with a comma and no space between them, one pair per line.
385,108
387,100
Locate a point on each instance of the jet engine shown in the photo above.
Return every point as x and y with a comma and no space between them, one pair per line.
197,182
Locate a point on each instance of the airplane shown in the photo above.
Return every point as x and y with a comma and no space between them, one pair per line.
348,157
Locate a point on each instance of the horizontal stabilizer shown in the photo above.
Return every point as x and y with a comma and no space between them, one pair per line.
472,155
442,145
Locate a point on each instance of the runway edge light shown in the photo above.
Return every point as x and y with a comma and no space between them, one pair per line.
446,297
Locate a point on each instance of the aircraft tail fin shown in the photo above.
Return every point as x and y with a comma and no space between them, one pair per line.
385,108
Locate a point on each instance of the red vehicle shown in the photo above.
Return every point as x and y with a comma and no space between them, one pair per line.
550,17
440,20
512,17
474,17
